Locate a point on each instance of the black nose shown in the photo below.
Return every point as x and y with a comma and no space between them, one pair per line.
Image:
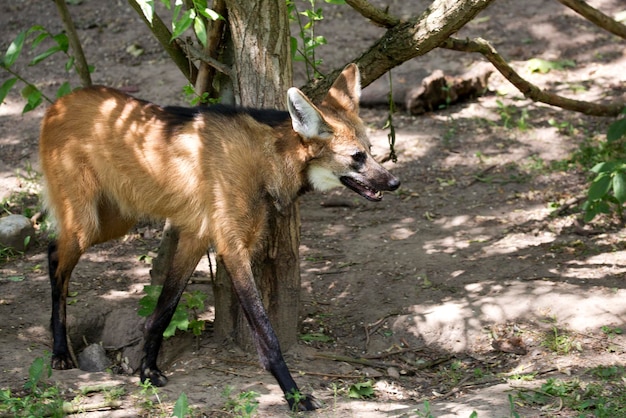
394,183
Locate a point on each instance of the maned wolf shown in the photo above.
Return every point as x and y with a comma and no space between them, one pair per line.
109,159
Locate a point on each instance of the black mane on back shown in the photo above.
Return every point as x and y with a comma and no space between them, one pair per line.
178,115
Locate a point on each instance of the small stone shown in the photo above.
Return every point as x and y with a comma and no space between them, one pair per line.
93,359
15,232
371,372
393,373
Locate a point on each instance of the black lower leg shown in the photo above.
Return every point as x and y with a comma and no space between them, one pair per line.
61,358
154,328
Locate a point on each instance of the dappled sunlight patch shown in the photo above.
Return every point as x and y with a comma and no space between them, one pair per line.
513,243
409,145
447,245
133,291
11,108
577,269
452,221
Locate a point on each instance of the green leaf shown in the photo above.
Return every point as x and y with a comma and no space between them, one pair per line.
13,52
69,63
33,97
179,26
599,187
35,372
62,41
605,167
148,303
361,390
6,88
619,186
538,65
616,130
39,39
52,50
590,211
64,89
200,29
181,407
315,336
294,46
180,321
147,8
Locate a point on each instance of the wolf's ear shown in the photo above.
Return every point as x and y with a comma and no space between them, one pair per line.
305,118
346,90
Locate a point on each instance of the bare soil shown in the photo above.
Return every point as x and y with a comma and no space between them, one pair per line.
442,290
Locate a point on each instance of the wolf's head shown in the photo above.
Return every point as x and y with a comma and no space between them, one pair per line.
336,134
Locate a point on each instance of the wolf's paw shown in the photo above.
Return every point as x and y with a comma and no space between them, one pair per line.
62,361
156,376
305,403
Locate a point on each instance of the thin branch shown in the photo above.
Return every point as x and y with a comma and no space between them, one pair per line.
79,56
206,73
164,36
371,12
202,56
525,87
406,40
597,17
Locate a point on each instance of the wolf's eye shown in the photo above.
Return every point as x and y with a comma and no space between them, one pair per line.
359,157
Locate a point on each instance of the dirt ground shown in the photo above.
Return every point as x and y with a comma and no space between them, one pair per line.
433,287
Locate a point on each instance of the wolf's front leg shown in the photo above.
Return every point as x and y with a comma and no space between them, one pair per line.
263,334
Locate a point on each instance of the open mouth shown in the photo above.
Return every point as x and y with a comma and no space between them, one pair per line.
362,189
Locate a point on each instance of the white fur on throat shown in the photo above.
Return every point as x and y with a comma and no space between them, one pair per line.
322,178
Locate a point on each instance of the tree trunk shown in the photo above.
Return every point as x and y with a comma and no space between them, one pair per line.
260,37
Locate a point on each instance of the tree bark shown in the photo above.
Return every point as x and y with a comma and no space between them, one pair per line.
262,68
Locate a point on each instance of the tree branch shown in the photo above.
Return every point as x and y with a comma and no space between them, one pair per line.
205,58
204,83
377,16
81,63
597,17
407,40
163,35
526,88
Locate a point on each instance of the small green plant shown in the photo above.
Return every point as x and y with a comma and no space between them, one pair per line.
604,397
611,332
512,412
425,411
244,405
39,397
195,99
147,393
304,48
565,128
186,316
181,407
608,188
185,15
559,342
361,390
509,116
35,37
